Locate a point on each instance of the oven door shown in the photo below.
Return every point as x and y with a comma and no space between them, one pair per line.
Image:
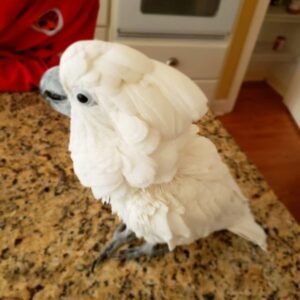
189,18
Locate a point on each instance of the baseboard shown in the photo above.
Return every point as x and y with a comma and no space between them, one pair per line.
220,107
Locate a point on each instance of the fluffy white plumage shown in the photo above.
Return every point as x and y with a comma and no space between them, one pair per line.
134,145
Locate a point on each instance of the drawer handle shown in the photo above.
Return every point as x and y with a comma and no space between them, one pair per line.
172,61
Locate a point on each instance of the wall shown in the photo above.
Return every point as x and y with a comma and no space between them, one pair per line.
292,97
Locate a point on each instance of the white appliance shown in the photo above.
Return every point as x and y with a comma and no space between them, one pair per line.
176,18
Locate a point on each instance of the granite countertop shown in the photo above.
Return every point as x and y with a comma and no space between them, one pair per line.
51,228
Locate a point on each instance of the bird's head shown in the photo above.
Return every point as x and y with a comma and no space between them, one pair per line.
97,81
71,85
90,77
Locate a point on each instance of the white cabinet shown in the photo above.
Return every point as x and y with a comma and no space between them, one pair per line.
197,60
208,87
201,60
276,67
279,68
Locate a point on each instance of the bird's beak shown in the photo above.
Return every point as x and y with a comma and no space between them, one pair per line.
53,92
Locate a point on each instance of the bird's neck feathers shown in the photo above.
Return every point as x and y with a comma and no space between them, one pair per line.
103,164
94,153
89,126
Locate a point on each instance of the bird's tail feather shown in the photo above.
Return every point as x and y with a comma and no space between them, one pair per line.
248,229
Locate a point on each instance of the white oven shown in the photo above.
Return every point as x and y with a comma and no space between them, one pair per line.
176,18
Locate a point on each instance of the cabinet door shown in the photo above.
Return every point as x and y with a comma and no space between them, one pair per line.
208,87
203,60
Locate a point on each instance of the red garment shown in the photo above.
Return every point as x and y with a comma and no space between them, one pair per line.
33,34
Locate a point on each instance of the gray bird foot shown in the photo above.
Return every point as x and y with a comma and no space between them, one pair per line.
145,249
121,236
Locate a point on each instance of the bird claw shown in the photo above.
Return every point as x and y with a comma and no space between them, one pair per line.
130,253
121,236
143,250
99,260
120,228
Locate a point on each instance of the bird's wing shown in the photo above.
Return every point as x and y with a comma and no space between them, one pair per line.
161,114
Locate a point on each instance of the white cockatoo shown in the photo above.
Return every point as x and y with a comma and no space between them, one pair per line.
133,143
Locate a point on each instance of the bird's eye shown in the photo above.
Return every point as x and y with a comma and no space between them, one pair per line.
82,98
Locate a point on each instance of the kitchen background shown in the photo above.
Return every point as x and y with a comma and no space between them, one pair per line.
51,226
222,46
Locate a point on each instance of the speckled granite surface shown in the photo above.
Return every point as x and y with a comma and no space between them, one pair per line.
51,228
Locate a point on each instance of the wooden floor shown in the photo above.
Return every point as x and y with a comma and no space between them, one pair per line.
263,127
